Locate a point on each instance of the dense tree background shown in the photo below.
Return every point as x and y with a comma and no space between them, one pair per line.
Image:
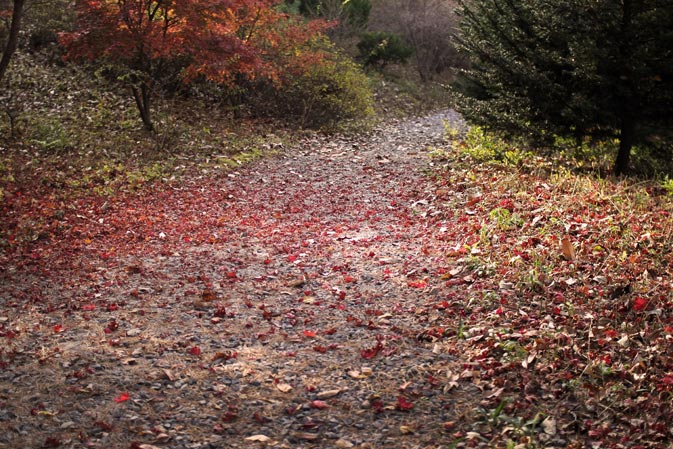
601,69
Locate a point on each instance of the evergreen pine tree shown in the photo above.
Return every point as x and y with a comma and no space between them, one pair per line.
573,68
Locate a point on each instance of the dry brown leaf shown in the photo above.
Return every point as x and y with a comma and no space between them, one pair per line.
305,436
284,387
208,295
327,394
259,438
549,425
567,249
297,283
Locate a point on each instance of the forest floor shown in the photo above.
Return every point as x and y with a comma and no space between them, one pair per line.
372,292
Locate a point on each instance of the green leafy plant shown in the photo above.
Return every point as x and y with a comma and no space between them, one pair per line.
50,134
667,184
380,48
333,94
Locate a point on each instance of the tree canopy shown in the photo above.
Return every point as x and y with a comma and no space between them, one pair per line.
600,69
217,40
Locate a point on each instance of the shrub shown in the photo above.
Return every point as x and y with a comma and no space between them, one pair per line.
380,48
330,95
484,147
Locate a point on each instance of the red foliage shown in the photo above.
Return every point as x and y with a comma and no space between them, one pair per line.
218,40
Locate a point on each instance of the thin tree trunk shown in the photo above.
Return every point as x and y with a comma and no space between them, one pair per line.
13,39
626,138
142,97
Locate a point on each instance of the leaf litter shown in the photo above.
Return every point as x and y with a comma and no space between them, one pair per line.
349,292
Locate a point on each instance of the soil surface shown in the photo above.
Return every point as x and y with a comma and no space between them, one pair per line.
298,302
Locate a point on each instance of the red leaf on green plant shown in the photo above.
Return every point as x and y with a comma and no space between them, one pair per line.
639,304
123,397
404,404
195,351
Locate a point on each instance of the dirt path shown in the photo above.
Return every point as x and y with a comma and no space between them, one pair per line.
294,303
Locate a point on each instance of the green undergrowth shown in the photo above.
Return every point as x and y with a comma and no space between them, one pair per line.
590,157
62,127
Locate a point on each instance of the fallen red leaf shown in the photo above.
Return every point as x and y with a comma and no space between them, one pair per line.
667,380
320,405
226,355
378,406
52,442
404,404
370,353
639,304
123,397
260,418
231,414
111,327
195,350
418,284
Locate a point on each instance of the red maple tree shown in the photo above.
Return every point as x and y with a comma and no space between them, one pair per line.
216,40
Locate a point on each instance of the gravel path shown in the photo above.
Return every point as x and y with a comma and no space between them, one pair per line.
290,304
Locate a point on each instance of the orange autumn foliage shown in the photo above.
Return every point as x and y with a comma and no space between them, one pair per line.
215,40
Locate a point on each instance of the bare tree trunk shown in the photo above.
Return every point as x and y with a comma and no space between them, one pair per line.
13,39
626,138
142,97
